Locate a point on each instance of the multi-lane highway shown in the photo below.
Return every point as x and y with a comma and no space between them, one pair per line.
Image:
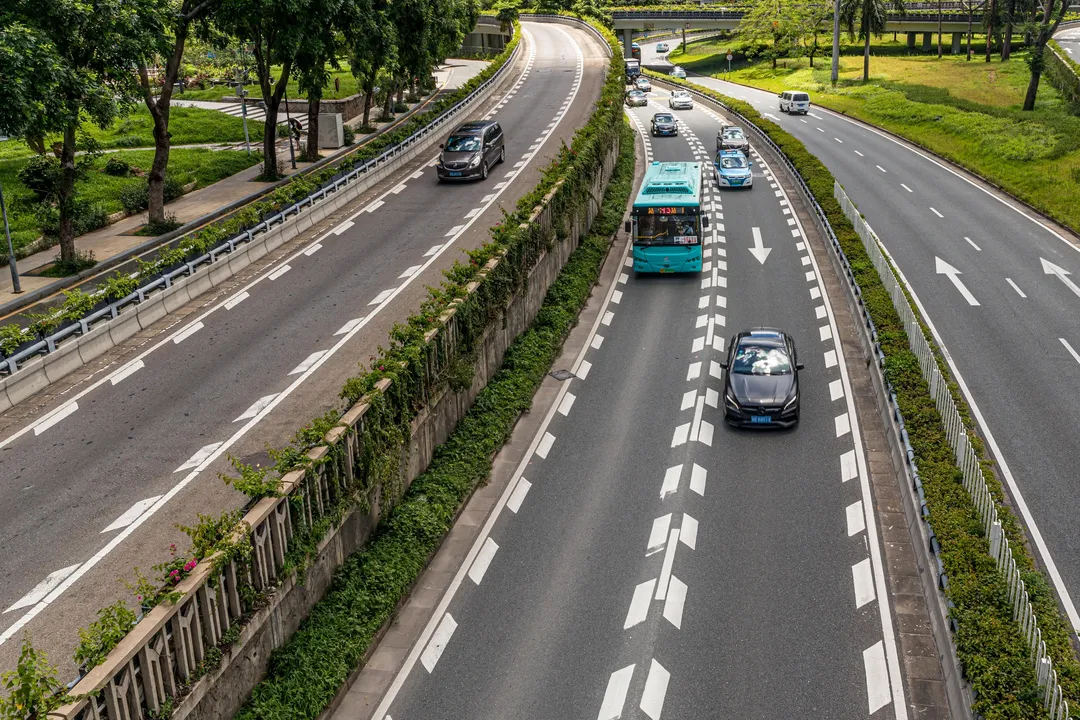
998,284
94,482
1069,39
652,562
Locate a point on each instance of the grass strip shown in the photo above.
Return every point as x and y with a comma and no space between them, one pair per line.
994,655
306,673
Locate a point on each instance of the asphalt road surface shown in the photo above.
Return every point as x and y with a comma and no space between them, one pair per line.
998,284
96,486
653,562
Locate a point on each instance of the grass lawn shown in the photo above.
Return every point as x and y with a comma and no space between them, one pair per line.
347,85
193,164
966,111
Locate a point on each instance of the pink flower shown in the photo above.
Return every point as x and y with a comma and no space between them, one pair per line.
174,573
190,565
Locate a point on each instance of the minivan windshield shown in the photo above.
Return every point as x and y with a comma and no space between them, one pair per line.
463,143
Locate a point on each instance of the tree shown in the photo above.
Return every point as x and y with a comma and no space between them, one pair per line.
81,52
806,21
871,17
1053,13
769,22
372,39
507,13
166,36
276,29
316,55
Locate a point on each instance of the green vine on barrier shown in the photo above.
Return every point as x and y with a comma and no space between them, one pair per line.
32,690
994,655
96,641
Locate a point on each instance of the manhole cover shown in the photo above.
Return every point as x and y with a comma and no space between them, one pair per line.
562,374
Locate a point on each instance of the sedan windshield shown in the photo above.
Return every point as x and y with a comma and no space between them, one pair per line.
733,134
732,162
463,143
663,119
755,359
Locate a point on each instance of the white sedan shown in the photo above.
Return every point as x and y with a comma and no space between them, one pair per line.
678,72
681,100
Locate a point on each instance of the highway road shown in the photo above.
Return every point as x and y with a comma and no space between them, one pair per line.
1069,39
653,562
95,483
998,284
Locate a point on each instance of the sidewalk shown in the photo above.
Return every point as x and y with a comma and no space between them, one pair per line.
114,239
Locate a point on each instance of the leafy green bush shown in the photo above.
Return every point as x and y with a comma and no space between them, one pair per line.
995,657
116,286
129,141
136,197
41,175
116,167
86,217
32,688
96,641
12,336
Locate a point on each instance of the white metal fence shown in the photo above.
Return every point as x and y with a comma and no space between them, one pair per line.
968,462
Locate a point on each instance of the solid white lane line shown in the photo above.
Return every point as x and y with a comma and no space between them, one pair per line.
348,327
615,695
669,560
309,361
438,642
518,496
697,479
131,514
972,243
652,699
126,371
279,272
660,528
200,455
1069,347
381,297
855,525
256,407
55,416
545,445
483,560
671,481
877,677
836,390
43,588
843,425
236,300
566,403
639,604
409,272
673,606
187,332
906,187
848,467
934,210
1014,287
688,532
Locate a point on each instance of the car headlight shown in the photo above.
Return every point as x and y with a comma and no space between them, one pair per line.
792,402
475,161
729,398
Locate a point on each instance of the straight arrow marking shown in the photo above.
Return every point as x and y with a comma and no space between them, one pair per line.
759,250
1051,269
944,268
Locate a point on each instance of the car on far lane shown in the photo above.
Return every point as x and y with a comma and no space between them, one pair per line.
664,124
642,83
636,98
733,169
761,385
681,100
662,47
678,72
731,137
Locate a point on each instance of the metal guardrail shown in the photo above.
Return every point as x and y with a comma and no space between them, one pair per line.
966,458
968,462
923,15
11,365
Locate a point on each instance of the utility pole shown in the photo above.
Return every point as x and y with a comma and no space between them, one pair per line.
835,42
15,286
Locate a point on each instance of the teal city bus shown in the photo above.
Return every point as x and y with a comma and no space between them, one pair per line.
666,222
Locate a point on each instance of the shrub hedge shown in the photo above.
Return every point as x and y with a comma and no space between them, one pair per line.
994,655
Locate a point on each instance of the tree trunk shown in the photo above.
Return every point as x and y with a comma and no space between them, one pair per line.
1036,74
971,9
311,148
369,98
66,195
990,29
866,58
1006,45
159,165
939,10
270,122
388,105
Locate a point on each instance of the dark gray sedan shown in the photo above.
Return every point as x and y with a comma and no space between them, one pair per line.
761,387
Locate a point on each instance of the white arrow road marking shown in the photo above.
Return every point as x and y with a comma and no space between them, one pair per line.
652,700
308,363
256,407
200,455
759,250
43,588
1051,269
615,695
55,416
944,268
349,326
131,515
639,604
438,642
877,677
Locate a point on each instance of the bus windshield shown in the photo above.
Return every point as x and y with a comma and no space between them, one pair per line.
667,230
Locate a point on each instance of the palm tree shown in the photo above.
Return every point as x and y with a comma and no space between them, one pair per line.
871,17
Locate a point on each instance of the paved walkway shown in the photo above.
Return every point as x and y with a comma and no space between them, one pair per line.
116,238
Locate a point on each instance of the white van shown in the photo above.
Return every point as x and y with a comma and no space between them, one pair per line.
794,102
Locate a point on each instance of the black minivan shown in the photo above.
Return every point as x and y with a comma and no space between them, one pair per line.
471,151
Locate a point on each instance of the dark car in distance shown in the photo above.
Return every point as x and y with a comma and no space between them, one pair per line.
761,386
471,150
664,124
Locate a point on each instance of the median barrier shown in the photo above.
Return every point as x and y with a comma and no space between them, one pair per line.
237,253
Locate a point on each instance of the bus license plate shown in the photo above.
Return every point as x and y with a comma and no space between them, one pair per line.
760,419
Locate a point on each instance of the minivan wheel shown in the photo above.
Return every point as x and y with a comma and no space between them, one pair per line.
483,171
502,155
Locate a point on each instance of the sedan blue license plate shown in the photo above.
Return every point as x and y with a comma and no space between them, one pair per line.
455,173
760,419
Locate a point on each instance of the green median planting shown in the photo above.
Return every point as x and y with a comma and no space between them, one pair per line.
994,655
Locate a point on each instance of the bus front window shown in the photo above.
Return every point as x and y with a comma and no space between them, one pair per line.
667,230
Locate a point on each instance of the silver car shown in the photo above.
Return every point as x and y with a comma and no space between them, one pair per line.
642,83
732,138
681,100
678,72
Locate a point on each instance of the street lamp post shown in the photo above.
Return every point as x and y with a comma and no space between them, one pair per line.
15,286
